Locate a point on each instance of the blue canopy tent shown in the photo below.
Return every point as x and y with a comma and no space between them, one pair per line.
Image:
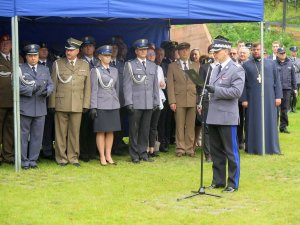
56,20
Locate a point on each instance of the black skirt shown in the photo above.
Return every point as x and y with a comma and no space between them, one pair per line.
107,120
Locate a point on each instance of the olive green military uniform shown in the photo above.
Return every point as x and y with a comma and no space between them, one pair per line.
72,94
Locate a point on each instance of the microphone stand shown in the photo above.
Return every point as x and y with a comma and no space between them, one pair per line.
201,190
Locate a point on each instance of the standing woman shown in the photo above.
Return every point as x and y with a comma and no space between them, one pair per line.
105,104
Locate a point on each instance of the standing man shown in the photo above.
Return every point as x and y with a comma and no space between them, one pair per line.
6,102
71,77
296,61
87,137
119,65
275,46
182,100
35,86
141,98
225,88
48,137
251,100
286,72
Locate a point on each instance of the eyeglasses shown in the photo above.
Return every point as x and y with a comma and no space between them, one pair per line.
151,54
233,53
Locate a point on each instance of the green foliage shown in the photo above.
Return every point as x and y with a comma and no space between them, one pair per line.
249,32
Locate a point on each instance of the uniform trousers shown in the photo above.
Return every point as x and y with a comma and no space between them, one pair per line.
88,147
118,135
31,138
223,148
48,136
67,127
153,128
139,126
6,134
185,129
284,107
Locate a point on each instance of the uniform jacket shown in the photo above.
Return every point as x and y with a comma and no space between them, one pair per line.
120,67
286,72
143,95
229,85
181,89
95,62
34,104
104,98
6,93
74,95
297,68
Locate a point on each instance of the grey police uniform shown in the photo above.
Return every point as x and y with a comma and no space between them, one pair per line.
223,118
104,98
33,110
140,88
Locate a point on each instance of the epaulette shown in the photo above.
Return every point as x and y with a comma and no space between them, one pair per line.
84,61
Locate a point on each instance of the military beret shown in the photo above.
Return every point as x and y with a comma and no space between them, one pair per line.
31,49
104,50
281,50
43,45
220,43
294,48
88,40
73,44
141,43
183,45
5,37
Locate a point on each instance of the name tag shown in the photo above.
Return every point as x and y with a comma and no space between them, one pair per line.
138,69
82,70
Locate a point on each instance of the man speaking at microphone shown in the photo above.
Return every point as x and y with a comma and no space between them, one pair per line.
225,88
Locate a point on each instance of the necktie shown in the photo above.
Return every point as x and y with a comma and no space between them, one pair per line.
219,69
91,62
43,63
108,70
144,64
33,69
72,63
7,58
184,66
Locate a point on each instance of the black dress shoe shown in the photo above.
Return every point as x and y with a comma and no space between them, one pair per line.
62,164
136,161
229,190
285,131
34,167
25,167
147,159
76,164
215,186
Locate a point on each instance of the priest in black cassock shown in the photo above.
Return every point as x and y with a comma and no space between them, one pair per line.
251,99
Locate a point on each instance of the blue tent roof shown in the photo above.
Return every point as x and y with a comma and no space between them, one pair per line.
181,11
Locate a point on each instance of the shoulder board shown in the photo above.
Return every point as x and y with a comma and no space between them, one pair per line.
82,60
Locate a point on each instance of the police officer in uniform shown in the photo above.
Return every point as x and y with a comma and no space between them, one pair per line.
71,77
119,65
141,98
286,72
35,86
6,102
87,136
296,61
225,88
48,137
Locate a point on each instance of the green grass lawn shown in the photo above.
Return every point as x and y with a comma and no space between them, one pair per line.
147,193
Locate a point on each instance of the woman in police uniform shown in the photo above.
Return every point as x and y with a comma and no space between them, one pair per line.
105,104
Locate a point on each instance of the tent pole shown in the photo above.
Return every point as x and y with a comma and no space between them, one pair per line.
16,95
262,87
